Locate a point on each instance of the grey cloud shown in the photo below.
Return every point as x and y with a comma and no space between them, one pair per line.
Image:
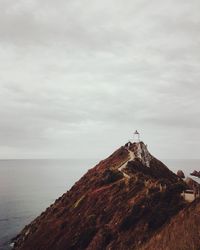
86,73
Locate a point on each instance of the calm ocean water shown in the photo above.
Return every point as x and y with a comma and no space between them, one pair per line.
27,187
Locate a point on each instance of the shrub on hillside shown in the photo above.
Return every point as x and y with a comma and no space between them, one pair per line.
110,176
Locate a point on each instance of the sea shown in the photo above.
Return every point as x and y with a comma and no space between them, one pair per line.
28,187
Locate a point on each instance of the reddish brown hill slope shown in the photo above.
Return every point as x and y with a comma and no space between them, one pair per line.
183,231
108,209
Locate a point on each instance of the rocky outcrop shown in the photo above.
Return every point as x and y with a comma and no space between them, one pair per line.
180,174
141,153
107,210
195,173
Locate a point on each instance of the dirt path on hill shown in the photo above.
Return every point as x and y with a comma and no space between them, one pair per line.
131,157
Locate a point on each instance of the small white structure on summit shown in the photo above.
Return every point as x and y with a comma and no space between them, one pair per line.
136,136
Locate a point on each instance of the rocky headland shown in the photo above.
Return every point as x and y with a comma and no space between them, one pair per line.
130,200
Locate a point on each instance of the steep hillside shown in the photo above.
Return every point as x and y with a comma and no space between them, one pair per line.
183,231
119,204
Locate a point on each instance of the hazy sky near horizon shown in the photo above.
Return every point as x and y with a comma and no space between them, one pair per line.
77,77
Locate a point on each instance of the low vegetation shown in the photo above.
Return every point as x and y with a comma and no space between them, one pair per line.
107,210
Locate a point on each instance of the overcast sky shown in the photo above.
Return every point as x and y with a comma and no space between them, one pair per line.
77,77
